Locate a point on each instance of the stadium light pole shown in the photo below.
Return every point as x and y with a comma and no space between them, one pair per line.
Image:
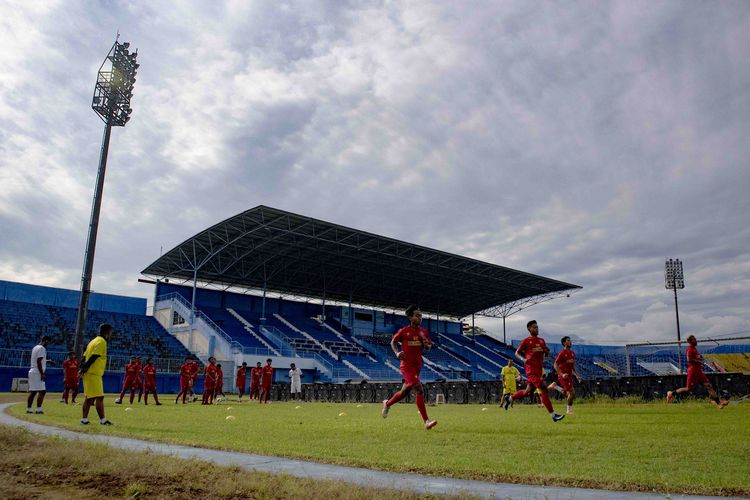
111,101
674,279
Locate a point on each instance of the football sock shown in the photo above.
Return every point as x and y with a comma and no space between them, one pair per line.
546,402
569,408
395,399
65,397
102,420
132,395
420,405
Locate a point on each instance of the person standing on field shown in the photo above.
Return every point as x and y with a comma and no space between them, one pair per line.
696,376
566,369
510,376
149,381
266,380
241,379
413,339
92,368
295,374
37,376
70,377
255,376
532,351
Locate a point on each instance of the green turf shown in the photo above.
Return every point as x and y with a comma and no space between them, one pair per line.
690,447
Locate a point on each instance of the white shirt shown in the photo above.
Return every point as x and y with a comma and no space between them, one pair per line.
36,353
295,375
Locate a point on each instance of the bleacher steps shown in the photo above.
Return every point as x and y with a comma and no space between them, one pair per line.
307,336
353,367
249,329
472,350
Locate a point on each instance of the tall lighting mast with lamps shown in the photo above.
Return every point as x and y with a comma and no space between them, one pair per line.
674,279
111,101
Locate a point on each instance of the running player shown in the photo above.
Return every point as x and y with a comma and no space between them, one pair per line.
131,370
241,379
186,379
510,376
149,381
255,375
413,339
696,376
566,370
532,351
70,377
211,377
266,379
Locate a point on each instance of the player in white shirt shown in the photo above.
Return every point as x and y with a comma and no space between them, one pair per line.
37,373
296,375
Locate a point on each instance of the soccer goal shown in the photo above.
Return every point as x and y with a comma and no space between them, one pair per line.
668,358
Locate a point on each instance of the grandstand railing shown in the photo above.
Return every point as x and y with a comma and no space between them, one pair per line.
235,346
21,358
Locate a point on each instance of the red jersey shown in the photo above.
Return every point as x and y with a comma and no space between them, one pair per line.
211,374
267,375
149,372
241,374
695,360
131,371
220,375
533,349
565,361
194,369
139,367
255,374
412,341
186,370
70,368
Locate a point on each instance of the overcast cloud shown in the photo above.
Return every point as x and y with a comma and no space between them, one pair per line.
583,141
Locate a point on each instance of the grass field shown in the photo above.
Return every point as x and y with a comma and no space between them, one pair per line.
690,447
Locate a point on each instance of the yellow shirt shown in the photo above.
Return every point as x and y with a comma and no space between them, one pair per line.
509,375
97,346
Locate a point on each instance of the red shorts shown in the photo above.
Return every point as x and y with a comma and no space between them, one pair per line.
186,383
209,388
410,374
129,384
70,384
534,379
150,386
266,387
241,383
696,377
565,383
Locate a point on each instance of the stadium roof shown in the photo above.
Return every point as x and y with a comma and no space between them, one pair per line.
295,254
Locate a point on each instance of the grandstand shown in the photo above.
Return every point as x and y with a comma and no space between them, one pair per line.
28,311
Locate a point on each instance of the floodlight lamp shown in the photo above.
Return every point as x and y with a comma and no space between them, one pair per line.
126,44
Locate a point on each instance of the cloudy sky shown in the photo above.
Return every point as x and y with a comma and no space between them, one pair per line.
583,141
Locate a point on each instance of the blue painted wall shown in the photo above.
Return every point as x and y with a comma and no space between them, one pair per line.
59,297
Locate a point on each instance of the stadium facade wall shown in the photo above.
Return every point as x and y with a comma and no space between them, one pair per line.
59,297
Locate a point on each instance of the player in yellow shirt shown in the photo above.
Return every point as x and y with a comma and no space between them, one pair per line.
92,368
510,376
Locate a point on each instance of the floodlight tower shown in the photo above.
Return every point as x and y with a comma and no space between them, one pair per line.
111,101
674,279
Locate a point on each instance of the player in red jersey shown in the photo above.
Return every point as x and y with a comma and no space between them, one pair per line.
565,366
696,376
139,377
266,379
211,377
255,375
186,379
70,377
219,381
195,368
241,379
149,381
131,369
532,351
413,339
